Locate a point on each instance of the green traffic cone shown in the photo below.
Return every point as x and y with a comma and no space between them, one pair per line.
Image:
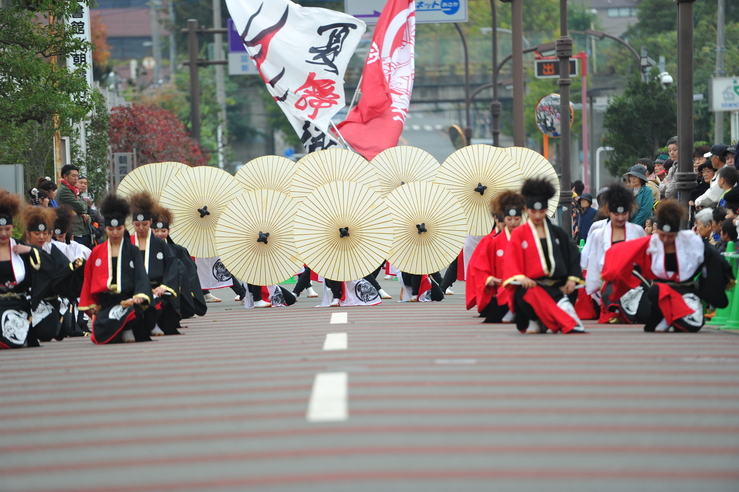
723,315
733,322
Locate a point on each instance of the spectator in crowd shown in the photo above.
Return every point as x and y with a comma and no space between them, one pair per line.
707,172
728,235
667,186
587,215
711,197
652,179
642,195
48,186
719,215
578,187
649,225
698,158
704,224
729,155
69,195
659,166
38,198
727,179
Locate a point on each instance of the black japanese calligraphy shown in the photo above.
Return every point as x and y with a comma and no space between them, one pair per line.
314,139
326,55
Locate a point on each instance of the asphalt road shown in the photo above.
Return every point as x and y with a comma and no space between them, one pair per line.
414,397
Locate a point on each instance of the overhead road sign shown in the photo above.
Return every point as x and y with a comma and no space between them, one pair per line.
724,94
549,68
239,61
427,11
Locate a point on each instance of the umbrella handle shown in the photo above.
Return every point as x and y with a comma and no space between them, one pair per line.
203,211
343,232
421,227
480,189
263,237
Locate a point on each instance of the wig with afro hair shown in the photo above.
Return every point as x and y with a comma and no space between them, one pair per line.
508,203
10,206
114,210
63,220
161,218
538,192
619,199
669,214
142,206
38,219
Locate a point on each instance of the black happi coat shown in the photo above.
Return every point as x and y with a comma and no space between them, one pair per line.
194,303
15,308
161,266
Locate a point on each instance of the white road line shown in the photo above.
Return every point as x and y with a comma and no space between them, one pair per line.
416,128
328,398
339,318
428,128
336,341
439,127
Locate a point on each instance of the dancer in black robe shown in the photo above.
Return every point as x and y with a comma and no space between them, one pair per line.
26,274
161,266
116,290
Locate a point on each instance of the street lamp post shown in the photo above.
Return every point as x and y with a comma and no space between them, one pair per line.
468,128
495,107
564,52
685,177
519,135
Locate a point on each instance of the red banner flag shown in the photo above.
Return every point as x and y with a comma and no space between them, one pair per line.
376,123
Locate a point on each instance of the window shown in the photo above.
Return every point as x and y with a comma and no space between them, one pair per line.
622,12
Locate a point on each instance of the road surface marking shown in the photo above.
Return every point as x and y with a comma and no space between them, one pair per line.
339,318
328,398
335,341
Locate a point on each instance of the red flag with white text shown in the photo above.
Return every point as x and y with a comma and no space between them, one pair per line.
376,123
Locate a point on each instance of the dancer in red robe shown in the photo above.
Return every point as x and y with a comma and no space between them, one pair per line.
485,267
542,268
681,270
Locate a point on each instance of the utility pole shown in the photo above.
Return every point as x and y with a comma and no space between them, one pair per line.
220,82
172,42
718,116
156,40
194,62
564,52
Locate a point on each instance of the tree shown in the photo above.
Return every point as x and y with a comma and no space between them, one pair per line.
154,134
639,122
96,162
33,87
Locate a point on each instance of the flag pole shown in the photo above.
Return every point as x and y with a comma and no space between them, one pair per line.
341,137
357,92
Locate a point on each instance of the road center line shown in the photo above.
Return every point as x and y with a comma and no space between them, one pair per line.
336,341
328,398
339,318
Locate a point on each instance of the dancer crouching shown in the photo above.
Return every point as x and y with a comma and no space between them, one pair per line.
485,268
684,270
542,268
116,289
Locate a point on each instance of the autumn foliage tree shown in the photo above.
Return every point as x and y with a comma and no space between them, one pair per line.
154,134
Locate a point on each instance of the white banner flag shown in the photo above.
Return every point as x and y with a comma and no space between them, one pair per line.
302,54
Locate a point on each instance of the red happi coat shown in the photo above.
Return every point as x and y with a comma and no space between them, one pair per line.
524,257
487,261
648,254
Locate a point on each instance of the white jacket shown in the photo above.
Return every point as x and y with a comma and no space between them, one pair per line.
601,242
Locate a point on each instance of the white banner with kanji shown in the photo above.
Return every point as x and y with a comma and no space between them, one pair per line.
302,54
79,24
